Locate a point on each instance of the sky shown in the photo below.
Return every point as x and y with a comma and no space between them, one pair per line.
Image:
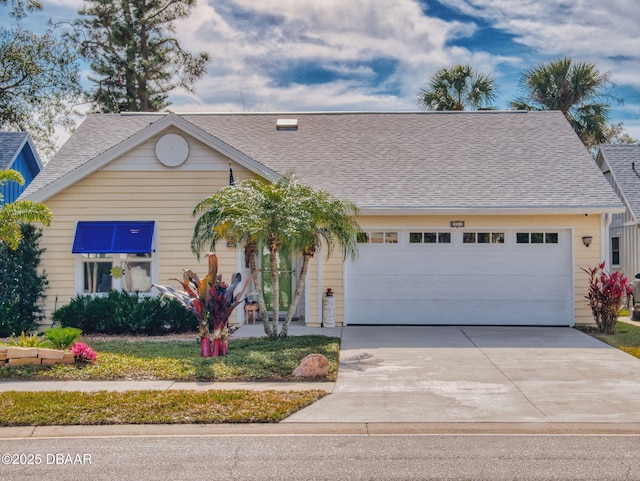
376,55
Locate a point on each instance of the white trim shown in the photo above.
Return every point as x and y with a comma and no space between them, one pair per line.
470,210
170,120
605,243
319,290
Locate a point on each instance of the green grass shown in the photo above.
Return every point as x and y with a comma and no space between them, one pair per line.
254,359
626,338
150,407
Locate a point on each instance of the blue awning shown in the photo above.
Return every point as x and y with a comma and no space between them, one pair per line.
113,238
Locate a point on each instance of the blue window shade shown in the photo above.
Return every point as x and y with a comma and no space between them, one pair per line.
113,238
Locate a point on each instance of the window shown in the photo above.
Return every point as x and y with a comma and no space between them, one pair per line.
114,255
122,272
430,237
483,238
615,251
537,238
378,237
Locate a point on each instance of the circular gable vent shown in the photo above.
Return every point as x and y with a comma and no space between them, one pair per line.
172,150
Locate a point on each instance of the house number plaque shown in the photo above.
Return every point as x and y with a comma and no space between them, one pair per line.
457,223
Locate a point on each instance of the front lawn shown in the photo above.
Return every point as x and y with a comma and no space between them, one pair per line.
150,407
253,359
626,338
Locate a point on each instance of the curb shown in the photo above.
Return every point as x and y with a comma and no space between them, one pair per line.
321,429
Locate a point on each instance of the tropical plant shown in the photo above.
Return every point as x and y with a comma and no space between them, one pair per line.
457,88
33,340
284,215
14,214
212,301
22,284
574,88
134,58
606,293
62,337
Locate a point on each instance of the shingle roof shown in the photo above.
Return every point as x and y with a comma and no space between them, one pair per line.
10,143
427,160
622,158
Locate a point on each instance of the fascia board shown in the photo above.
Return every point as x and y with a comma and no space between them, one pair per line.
139,137
34,151
560,210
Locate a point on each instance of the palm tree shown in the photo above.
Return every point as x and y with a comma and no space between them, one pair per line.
457,88
19,212
574,88
280,215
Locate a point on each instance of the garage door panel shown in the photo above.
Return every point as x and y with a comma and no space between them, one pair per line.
445,286
457,312
495,284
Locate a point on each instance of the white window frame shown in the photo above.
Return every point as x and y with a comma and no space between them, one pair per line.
117,260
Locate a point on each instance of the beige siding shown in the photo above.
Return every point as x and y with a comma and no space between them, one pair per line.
111,195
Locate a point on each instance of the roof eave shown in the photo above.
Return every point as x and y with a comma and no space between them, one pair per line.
470,210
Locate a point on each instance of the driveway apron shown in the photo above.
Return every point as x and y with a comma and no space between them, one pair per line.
478,374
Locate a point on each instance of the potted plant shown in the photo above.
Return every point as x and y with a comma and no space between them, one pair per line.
212,301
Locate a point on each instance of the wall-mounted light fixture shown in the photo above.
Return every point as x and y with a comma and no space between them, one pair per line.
587,240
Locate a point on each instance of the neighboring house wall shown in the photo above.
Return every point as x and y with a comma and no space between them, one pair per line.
20,157
625,256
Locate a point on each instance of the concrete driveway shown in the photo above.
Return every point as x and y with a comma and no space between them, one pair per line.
478,374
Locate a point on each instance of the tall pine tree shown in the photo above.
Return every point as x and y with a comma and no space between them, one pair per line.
135,59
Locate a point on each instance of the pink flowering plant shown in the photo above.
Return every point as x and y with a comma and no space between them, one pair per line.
606,293
83,352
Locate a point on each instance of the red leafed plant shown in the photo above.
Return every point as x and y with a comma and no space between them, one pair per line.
606,292
212,301
83,352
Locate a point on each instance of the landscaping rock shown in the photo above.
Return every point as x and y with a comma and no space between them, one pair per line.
50,354
22,361
20,352
314,365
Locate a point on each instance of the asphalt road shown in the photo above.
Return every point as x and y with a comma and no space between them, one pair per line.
324,457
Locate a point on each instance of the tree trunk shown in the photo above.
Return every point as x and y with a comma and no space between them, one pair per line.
306,258
275,291
251,252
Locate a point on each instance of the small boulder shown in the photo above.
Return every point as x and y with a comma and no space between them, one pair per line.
314,365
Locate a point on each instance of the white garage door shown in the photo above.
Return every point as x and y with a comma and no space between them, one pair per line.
461,277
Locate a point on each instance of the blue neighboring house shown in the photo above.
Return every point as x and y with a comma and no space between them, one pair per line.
17,152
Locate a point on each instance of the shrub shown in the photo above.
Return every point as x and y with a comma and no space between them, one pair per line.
606,292
83,352
62,337
29,341
21,285
125,313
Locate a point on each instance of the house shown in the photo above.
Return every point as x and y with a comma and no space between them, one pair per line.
620,164
467,217
17,152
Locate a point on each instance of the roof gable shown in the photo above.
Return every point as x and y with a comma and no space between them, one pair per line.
17,152
77,161
623,163
385,162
